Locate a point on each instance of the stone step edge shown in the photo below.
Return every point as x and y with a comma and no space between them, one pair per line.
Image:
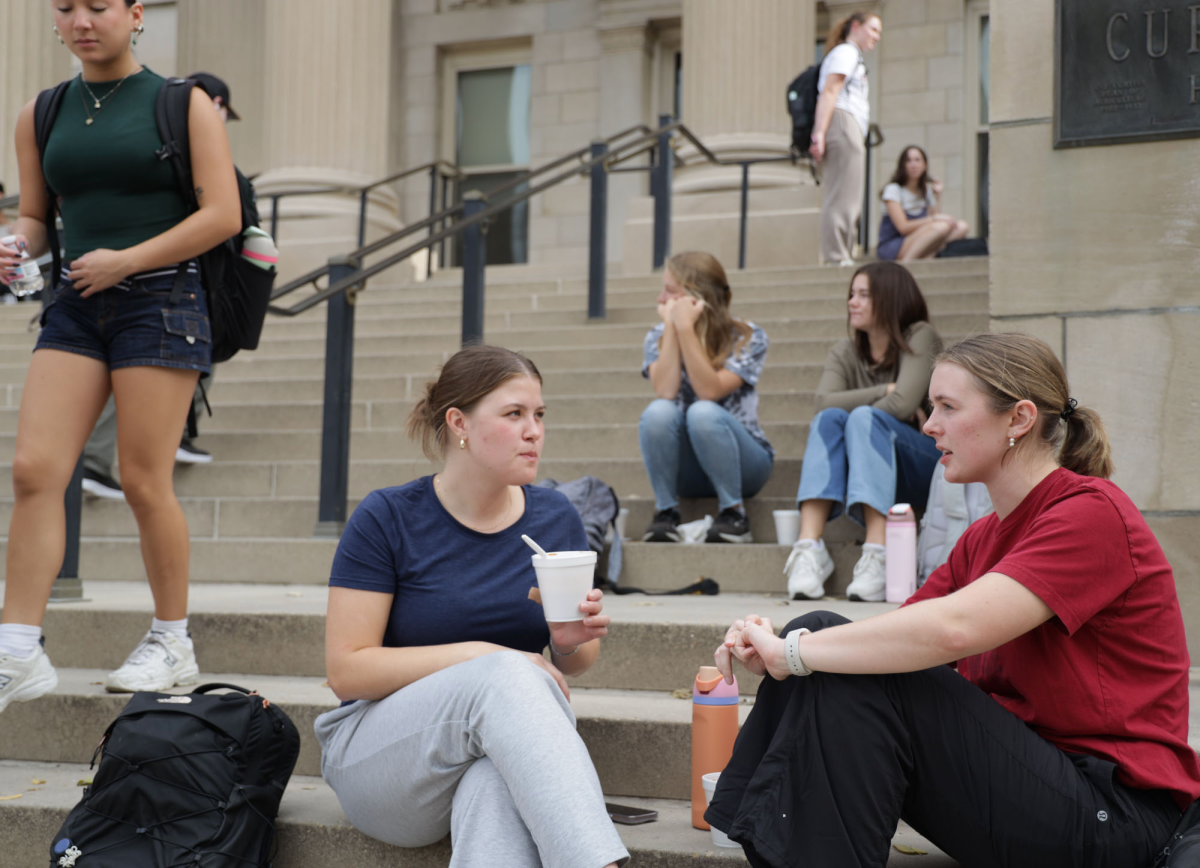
314,831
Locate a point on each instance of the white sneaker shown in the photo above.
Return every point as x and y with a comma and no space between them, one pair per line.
806,569
25,678
159,662
870,577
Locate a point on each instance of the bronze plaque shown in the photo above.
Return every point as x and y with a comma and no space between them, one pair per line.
1126,71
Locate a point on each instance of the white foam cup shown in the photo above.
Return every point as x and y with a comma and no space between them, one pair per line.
564,579
622,518
787,526
709,782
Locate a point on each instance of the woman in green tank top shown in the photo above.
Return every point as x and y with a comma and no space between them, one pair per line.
112,324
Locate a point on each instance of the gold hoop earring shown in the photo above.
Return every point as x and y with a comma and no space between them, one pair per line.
61,41
1012,441
462,442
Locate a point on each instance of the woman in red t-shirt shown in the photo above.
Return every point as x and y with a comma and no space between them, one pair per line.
1062,738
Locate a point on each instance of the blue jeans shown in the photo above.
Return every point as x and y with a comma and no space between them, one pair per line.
132,324
700,452
865,457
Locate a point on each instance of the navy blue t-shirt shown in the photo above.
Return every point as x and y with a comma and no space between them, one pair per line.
451,583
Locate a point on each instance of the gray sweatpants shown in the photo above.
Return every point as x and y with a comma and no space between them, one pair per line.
485,750
842,178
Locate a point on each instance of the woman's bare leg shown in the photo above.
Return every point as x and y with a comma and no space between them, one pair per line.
876,523
152,406
63,396
813,516
925,241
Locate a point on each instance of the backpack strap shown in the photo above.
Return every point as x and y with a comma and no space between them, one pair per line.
171,116
45,111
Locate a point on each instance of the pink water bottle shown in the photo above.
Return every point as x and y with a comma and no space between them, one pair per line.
901,553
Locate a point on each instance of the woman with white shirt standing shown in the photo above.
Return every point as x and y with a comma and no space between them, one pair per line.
913,226
840,131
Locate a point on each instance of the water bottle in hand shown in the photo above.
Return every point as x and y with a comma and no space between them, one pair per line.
28,278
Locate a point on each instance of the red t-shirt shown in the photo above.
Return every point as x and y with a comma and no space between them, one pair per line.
1108,676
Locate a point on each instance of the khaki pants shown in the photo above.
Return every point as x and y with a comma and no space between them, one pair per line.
842,186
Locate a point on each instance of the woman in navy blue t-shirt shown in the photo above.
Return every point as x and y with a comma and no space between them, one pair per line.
453,720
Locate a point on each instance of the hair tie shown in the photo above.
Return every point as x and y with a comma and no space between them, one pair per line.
1069,410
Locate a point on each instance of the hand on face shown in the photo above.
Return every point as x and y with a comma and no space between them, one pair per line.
570,634
98,270
686,311
10,258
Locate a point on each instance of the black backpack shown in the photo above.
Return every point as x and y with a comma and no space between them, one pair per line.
802,106
238,292
190,779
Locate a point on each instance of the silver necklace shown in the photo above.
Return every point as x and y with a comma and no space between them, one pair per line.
437,488
98,102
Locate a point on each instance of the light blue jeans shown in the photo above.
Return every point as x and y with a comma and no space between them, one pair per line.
700,452
865,457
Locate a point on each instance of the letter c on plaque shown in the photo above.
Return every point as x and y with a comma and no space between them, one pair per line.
1108,37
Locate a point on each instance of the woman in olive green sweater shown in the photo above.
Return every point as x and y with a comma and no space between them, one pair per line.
113,324
865,448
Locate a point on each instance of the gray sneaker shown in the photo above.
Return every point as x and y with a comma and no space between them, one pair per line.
25,678
806,569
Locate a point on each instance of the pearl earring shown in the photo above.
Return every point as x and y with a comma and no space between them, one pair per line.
462,442
1012,441
61,41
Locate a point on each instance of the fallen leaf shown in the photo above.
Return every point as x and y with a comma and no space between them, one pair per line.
324,683
308,788
97,683
295,593
783,603
37,781
911,851
10,798
83,782
681,693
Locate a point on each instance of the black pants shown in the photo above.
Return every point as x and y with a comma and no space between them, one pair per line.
826,765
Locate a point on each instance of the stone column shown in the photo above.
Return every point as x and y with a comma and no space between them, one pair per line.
625,77
737,60
226,38
327,114
32,59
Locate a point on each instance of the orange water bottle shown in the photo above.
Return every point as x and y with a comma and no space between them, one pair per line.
714,730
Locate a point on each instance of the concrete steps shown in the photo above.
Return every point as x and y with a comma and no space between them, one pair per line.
314,833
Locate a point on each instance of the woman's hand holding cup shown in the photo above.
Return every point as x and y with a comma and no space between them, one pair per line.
571,634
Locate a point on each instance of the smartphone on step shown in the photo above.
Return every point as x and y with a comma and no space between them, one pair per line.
627,815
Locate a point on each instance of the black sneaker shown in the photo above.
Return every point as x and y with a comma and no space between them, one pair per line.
663,527
99,485
731,526
189,453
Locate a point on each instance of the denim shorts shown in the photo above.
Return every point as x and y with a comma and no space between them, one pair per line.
132,323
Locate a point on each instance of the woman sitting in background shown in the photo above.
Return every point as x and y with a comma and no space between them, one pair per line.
865,451
913,227
701,436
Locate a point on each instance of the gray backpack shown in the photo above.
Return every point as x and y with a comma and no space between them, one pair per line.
597,505
952,508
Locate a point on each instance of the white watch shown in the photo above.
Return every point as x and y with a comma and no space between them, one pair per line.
791,650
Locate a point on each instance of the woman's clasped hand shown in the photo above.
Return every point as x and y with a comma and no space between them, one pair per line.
753,643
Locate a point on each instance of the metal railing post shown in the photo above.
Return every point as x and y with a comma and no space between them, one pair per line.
362,216
598,237
864,224
661,182
335,421
68,587
474,258
742,224
275,218
442,222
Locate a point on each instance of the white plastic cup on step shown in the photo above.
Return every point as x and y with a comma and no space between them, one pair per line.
564,579
787,526
719,838
622,517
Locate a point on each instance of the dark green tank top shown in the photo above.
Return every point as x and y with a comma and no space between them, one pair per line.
115,192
